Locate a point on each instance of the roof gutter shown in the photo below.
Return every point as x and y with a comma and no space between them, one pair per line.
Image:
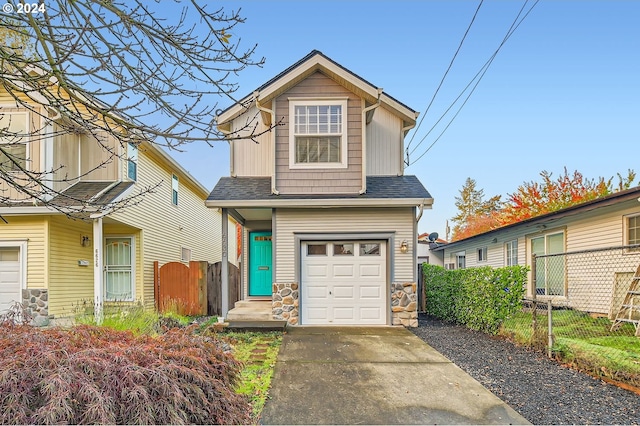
364,140
272,132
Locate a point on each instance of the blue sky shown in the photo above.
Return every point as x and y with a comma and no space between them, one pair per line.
564,91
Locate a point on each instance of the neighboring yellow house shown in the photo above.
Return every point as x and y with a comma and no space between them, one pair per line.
53,262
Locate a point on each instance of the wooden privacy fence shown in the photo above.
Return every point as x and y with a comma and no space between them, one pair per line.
195,289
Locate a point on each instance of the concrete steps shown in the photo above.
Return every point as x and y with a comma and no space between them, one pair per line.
250,310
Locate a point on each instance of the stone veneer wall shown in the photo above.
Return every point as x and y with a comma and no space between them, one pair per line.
36,302
404,306
285,305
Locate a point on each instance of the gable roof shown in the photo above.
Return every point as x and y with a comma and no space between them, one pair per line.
611,199
313,62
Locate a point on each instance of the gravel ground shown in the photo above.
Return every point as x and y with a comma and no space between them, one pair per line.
541,390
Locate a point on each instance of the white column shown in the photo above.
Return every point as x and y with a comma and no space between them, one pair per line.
98,269
225,262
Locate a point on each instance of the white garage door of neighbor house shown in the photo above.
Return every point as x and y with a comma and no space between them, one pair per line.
344,283
9,277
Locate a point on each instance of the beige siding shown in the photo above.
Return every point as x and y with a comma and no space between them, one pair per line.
167,228
66,159
317,181
34,231
69,284
290,221
384,144
100,159
252,157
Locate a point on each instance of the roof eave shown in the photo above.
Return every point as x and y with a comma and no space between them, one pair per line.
322,203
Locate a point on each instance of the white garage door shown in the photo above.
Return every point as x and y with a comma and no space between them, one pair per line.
344,283
9,277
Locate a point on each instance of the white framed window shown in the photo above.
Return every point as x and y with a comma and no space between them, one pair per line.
14,140
482,254
119,266
511,253
632,232
461,260
174,190
185,255
550,270
317,133
132,161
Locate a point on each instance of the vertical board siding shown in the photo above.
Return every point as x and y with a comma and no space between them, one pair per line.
252,157
320,181
70,285
384,144
34,230
355,220
97,162
66,155
167,228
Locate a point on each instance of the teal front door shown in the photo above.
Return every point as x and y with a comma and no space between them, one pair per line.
260,273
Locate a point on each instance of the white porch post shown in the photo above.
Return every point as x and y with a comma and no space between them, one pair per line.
224,272
98,269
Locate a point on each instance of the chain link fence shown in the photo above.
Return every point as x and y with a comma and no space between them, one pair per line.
585,311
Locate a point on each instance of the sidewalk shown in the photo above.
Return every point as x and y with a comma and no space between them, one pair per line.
374,375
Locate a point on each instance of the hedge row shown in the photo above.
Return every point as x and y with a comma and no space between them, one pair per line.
479,298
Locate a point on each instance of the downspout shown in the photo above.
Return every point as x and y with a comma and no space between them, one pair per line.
272,132
403,132
364,141
421,207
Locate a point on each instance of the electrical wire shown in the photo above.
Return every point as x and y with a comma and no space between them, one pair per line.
479,75
455,55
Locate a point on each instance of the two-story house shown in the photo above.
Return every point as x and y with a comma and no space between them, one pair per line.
329,217
53,260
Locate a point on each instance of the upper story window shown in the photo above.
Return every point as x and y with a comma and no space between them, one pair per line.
132,161
511,253
13,137
318,133
174,190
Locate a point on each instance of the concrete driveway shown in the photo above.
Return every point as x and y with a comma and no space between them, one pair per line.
374,375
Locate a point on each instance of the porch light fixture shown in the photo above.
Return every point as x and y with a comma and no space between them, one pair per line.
85,241
404,246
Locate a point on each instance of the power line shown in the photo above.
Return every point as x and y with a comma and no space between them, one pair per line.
445,74
479,75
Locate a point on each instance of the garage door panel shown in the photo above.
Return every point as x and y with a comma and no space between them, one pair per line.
343,271
316,271
370,292
10,285
318,292
371,271
343,292
370,313
317,314
343,313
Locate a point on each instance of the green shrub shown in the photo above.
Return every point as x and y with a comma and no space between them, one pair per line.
480,298
89,374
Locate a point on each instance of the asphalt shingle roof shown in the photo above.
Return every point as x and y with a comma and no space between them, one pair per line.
259,188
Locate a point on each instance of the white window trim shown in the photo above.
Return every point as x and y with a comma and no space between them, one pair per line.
507,252
175,180
625,236
133,155
482,251
293,102
134,260
22,258
27,139
545,235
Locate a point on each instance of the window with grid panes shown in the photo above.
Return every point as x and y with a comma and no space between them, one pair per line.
13,133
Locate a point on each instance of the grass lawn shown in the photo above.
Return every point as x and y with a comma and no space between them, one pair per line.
258,352
583,341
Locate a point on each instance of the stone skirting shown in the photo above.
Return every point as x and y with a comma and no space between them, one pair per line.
36,302
404,306
285,304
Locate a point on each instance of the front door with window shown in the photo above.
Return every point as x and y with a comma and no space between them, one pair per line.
260,273
118,269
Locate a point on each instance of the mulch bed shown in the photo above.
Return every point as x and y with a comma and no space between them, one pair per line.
540,389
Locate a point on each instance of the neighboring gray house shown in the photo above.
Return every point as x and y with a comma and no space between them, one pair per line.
595,283
329,217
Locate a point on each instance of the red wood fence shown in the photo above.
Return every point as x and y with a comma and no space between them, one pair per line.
181,287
